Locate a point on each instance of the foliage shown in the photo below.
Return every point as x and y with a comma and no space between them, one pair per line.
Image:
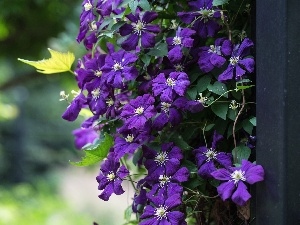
172,83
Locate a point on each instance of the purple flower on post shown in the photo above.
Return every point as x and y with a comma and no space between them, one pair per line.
203,18
138,111
163,212
139,29
167,88
110,177
213,56
235,177
207,157
239,63
118,68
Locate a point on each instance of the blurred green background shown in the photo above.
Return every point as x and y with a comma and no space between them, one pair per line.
37,184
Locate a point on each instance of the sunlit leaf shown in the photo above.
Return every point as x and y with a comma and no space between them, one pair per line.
59,62
96,153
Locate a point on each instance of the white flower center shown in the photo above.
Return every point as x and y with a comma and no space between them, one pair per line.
165,107
138,27
98,73
234,60
161,158
206,14
210,154
163,179
234,105
161,212
171,82
110,102
202,99
238,175
93,26
111,176
177,40
139,110
179,67
96,93
215,49
129,138
117,66
87,6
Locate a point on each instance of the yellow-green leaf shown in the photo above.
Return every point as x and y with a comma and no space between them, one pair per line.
59,62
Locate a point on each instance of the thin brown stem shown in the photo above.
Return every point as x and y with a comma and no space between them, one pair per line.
236,119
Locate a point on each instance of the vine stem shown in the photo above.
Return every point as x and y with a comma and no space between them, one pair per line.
236,119
129,177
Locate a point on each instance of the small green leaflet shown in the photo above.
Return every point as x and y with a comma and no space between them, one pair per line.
220,109
160,50
133,5
95,153
241,152
219,2
144,4
253,121
218,88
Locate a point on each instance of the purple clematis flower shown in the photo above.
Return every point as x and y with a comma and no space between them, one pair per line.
207,157
176,84
105,8
204,17
213,56
74,108
163,212
110,177
118,68
84,136
131,140
165,161
86,19
235,177
139,29
239,63
138,111
182,39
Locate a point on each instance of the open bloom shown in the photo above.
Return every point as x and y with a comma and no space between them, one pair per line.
162,212
139,29
203,17
239,63
110,177
137,112
176,84
235,177
207,158
213,56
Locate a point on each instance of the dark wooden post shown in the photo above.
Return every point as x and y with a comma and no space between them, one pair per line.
278,111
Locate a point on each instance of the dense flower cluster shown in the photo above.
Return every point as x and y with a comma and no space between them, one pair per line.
162,83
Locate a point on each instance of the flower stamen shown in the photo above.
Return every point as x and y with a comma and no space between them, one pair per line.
238,175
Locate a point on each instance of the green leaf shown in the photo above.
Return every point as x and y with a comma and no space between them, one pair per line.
178,140
59,62
232,114
96,153
127,213
160,50
248,126
241,152
146,59
219,2
203,82
220,109
240,87
253,121
133,5
192,92
218,88
209,127
144,4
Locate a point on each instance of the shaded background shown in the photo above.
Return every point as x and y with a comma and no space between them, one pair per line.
38,186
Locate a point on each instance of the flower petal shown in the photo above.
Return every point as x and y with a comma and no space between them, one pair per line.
241,195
